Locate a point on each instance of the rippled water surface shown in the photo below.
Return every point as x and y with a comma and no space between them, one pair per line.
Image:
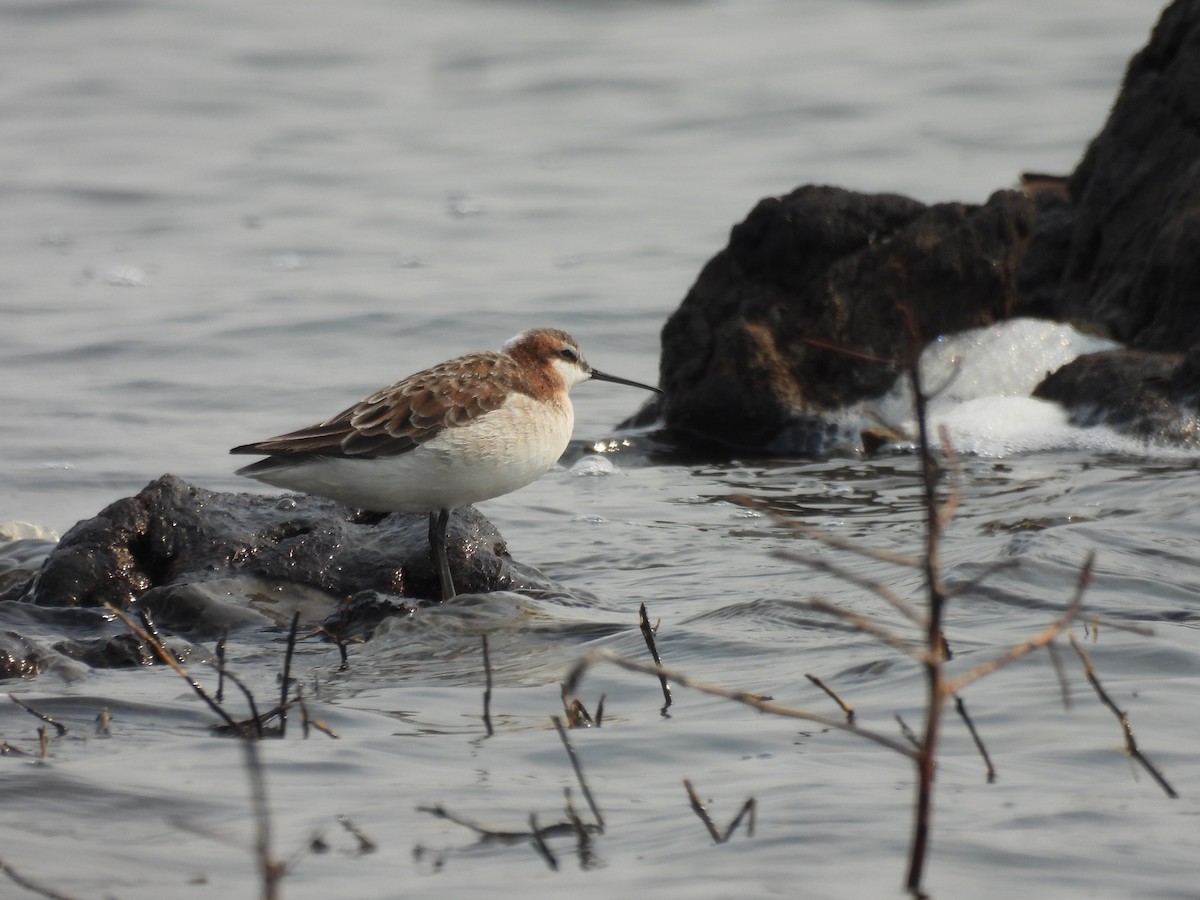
226,221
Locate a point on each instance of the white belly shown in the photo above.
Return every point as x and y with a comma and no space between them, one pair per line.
497,453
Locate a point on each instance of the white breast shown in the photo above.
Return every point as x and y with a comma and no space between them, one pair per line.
497,453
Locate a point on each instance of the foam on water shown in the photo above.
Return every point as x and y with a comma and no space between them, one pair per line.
983,380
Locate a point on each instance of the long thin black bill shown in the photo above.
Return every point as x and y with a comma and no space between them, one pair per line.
603,376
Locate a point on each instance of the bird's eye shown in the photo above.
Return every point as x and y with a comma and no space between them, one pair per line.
570,354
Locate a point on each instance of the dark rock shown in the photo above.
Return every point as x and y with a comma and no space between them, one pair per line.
360,614
805,310
20,560
124,651
19,657
1123,256
174,533
1149,395
121,651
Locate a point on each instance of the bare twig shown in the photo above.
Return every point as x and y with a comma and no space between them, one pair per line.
909,734
1060,673
441,812
952,466
1040,640
587,794
752,700
365,844
648,634
956,363
828,540
1131,746
748,808
846,708
583,840
699,810
169,658
310,722
31,886
578,716
930,564
59,727
286,687
539,843
221,645
868,626
987,760
878,588
269,869
487,690
256,721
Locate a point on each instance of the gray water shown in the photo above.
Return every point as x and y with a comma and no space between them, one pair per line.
223,221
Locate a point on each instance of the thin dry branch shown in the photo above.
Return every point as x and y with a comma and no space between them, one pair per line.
833,695
286,686
487,689
59,727
867,626
1060,673
909,734
440,812
828,540
878,588
752,700
1131,745
169,658
953,467
539,843
1017,651
222,641
587,794
31,886
491,834
365,844
699,809
748,808
270,870
583,840
987,760
648,634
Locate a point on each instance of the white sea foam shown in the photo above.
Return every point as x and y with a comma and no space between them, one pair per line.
982,381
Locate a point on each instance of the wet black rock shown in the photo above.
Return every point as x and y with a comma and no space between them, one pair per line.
360,614
1121,253
802,313
805,310
173,533
1148,395
120,651
19,657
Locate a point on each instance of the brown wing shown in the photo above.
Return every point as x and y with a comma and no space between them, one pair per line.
406,414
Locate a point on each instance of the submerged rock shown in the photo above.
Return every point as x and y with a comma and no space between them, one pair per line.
174,534
19,657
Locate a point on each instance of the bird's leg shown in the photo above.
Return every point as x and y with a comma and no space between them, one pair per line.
437,540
